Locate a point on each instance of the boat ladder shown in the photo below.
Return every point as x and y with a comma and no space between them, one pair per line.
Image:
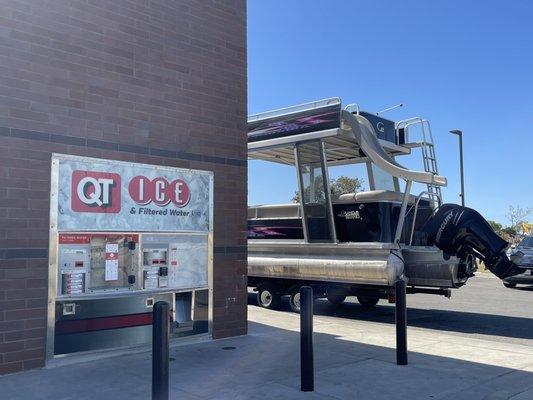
427,146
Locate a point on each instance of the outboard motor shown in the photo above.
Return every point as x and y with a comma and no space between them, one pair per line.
463,232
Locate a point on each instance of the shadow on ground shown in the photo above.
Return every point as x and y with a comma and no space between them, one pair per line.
442,320
524,288
265,364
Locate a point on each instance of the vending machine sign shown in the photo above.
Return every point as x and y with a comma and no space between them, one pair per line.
159,191
95,192
105,195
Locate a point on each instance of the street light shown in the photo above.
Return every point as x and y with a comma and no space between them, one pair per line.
460,134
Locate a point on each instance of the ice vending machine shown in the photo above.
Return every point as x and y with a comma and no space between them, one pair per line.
122,237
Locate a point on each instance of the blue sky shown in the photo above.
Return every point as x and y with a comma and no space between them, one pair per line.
460,64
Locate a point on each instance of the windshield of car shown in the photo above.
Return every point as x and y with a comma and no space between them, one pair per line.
527,242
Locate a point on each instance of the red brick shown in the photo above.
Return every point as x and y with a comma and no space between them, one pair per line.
11,367
14,336
35,343
7,326
12,346
37,322
34,363
23,355
8,284
36,283
15,315
26,293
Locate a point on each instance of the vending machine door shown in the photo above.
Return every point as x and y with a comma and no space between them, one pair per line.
97,324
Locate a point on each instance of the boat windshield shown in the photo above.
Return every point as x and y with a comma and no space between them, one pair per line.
382,180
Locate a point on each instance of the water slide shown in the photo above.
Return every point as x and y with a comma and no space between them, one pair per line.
367,139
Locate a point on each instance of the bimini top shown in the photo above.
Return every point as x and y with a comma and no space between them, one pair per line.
349,137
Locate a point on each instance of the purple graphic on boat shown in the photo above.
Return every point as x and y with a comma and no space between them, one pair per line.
294,124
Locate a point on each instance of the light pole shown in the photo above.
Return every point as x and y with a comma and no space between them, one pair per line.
460,134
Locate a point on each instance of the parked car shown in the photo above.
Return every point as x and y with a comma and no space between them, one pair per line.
524,251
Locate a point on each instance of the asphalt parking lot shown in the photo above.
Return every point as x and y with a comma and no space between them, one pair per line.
483,308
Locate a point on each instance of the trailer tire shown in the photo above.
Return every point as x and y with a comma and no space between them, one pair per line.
294,300
268,298
367,302
335,298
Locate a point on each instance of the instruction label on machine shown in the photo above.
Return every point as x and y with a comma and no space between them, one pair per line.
111,248
111,261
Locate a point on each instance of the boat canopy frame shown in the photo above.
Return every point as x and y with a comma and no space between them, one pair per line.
342,148
343,137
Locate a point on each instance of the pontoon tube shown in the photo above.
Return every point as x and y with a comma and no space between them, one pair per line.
461,231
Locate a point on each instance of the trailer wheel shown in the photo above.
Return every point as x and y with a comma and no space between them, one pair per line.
268,298
294,300
367,302
335,298
509,285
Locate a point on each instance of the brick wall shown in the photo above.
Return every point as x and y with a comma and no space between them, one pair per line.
151,81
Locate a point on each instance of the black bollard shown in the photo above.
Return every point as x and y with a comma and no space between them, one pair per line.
401,323
306,340
160,351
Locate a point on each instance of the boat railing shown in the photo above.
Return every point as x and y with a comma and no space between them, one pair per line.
353,107
430,195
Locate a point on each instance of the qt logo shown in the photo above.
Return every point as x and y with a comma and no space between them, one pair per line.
160,191
97,192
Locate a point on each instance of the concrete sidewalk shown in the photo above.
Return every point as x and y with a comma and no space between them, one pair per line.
353,360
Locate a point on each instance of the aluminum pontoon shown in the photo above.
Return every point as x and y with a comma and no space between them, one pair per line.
359,243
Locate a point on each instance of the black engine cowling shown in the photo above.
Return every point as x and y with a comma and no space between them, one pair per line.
462,231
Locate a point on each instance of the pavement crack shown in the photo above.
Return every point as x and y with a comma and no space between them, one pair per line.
522,391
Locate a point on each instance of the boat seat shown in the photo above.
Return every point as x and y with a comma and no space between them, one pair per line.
373,196
290,210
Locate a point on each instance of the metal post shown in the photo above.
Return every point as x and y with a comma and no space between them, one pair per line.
389,109
403,209
306,340
301,189
160,351
462,170
327,192
401,323
460,134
